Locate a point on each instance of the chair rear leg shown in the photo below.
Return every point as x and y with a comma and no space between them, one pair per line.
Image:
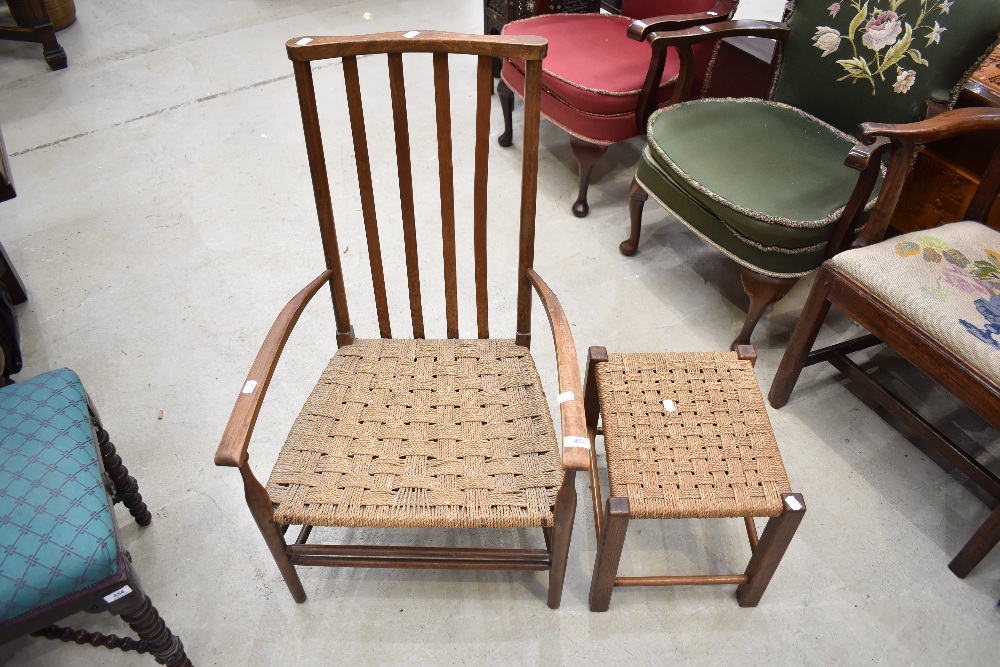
126,488
982,541
637,197
772,545
260,507
763,291
165,646
609,553
806,329
561,534
587,155
506,96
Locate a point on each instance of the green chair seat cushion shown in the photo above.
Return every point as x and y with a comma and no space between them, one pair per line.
785,184
57,534
946,281
770,260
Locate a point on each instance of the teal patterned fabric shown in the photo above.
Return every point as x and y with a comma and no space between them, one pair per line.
56,530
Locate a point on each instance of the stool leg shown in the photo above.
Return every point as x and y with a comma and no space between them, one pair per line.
609,553
591,411
772,545
982,541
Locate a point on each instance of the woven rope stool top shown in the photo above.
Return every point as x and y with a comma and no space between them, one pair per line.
714,455
421,433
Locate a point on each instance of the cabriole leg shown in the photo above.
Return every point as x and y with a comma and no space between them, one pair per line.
506,96
587,155
637,197
763,291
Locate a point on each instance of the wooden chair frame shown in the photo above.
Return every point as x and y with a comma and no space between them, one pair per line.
888,326
232,450
610,526
587,153
39,30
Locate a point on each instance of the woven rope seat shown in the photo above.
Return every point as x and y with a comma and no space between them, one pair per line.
421,433
713,456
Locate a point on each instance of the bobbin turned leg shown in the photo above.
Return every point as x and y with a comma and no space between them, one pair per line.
165,646
772,545
609,553
126,488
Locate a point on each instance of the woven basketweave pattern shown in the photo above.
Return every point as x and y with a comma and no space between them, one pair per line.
713,456
421,433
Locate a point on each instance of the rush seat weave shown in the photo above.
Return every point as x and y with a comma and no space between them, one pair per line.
421,433
713,456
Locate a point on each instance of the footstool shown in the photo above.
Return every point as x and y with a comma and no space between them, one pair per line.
686,436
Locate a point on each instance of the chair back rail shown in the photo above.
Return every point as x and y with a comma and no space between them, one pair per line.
531,50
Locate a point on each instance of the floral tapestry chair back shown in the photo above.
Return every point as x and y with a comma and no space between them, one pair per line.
850,62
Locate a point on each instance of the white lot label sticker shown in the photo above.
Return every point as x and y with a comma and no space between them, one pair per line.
793,503
669,406
117,595
249,386
565,396
411,34
576,441
705,28
304,41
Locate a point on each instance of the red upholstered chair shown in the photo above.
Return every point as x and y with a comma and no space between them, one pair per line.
598,78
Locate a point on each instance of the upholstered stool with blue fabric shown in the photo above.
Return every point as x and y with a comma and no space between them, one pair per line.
59,476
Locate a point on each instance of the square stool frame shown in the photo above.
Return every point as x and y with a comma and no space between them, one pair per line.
611,527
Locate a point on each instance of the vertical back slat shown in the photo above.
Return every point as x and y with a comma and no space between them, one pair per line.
529,187
484,94
321,192
442,102
363,162
397,89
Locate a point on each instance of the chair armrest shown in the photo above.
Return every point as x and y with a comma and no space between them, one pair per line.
903,140
232,449
722,11
572,421
711,31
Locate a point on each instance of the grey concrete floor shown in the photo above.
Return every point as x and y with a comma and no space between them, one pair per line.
164,216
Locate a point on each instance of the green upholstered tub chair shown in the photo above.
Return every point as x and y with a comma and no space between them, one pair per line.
765,181
59,547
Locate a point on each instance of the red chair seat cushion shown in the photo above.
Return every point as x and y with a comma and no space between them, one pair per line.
593,74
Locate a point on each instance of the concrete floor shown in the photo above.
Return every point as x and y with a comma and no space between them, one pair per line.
164,216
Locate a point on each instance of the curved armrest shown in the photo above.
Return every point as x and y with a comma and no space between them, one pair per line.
943,126
722,11
232,449
710,31
572,421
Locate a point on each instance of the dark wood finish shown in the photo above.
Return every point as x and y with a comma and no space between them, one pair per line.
637,197
773,543
888,325
587,152
683,580
8,274
743,67
126,488
587,155
38,29
609,553
763,291
233,449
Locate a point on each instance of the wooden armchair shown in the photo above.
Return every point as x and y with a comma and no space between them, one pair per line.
932,296
765,181
419,433
603,78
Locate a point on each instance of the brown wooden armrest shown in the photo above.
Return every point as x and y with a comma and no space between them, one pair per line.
572,420
711,31
722,11
232,449
941,126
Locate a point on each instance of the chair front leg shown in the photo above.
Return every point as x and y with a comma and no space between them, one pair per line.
637,197
260,507
562,532
763,291
982,541
587,154
165,646
126,488
803,337
506,96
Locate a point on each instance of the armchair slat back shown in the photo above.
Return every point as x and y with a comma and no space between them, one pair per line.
440,45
